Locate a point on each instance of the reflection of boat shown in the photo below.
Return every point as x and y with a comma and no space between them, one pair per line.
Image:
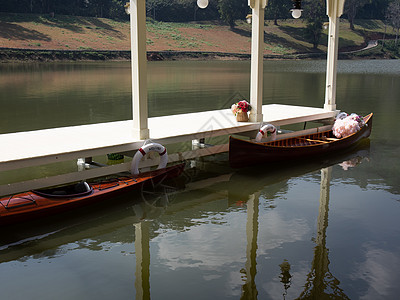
244,153
43,202
100,222
276,175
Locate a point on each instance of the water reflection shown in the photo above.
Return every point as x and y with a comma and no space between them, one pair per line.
60,94
249,289
285,276
20,240
198,244
276,176
249,271
321,284
142,249
161,215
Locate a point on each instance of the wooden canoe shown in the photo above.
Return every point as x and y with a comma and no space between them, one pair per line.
244,153
45,202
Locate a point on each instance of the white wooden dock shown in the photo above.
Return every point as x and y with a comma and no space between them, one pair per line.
40,147
31,148
34,148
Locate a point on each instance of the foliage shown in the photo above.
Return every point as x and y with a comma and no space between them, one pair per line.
180,10
278,9
314,12
392,46
232,10
351,7
374,10
393,17
187,10
168,10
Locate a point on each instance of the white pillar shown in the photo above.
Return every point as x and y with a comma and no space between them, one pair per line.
331,68
334,11
139,68
257,59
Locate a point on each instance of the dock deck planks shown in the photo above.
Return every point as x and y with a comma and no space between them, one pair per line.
30,148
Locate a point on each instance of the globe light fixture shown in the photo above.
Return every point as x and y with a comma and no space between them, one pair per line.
248,18
296,10
296,13
202,3
128,8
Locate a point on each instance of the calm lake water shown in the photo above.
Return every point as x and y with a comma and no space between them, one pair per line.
329,228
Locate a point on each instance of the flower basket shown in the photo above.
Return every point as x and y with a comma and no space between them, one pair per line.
240,110
242,116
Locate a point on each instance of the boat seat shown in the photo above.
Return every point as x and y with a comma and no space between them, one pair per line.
81,187
59,193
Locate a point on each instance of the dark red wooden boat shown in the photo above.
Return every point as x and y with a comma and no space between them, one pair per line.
243,153
44,202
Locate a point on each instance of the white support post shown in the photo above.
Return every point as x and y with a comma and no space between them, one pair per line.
257,59
334,11
139,68
331,68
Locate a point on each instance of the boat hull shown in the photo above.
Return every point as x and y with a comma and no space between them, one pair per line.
244,153
32,205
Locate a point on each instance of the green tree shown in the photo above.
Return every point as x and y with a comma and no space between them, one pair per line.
351,7
315,14
99,8
152,7
393,17
117,9
374,10
232,10
277,9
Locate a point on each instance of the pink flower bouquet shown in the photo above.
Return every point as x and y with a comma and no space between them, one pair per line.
347,125
241,106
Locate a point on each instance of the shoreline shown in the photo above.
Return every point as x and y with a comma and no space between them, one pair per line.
41,38
49,55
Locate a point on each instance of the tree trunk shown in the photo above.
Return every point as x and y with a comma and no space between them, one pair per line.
351,21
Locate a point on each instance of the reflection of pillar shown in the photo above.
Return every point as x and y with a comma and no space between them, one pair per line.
321,260
322,222
142,249
249,288
197,144
321,284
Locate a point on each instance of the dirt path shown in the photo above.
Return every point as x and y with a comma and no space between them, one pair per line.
370,45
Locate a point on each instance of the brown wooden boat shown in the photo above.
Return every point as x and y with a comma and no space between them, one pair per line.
244,153
45,202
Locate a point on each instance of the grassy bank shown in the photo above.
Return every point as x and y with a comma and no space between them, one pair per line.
33,37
